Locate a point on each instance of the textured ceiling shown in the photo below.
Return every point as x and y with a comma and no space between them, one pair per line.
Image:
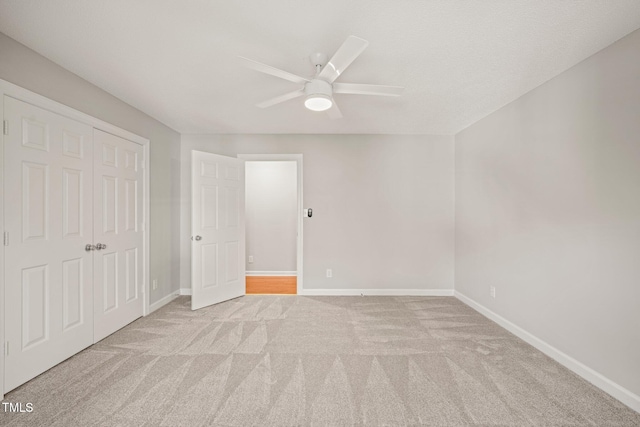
177,60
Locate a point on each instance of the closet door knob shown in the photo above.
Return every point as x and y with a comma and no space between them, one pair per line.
101,246
198,238
89,247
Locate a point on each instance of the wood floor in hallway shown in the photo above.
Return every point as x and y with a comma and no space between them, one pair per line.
282,285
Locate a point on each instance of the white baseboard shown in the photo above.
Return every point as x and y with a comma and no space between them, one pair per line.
378,292
614,389
163,301
271,273
185,291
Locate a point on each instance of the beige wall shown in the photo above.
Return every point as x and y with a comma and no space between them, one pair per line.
382,206
28,69
548,212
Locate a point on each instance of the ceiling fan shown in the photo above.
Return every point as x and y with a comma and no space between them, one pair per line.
320,88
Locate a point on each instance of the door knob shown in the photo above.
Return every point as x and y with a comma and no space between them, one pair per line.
89,247
101,246
198,238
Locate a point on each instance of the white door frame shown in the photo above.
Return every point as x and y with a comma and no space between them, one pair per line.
22,94
298,159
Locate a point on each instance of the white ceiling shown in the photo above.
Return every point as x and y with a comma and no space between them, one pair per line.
177,60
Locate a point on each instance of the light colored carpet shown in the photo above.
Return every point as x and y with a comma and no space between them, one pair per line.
292,360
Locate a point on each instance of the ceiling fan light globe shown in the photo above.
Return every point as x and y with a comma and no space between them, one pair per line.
318,102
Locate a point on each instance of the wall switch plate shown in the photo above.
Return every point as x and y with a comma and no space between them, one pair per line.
154,284
250,259
492,291
329,273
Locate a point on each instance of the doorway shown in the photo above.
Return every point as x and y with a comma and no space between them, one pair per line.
273,223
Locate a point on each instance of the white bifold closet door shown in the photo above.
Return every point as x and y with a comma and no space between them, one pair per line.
117,231
48,216
73,217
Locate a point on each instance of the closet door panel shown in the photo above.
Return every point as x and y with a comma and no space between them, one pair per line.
118,234
48,207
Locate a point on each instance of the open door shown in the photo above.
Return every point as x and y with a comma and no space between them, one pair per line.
217,225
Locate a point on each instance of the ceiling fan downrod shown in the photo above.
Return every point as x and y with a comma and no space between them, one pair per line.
318,60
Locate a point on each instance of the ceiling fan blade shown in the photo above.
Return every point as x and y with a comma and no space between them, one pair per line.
350,50
334,112
281,98
362,89
268,69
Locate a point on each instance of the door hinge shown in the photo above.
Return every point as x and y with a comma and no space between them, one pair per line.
6,238
5,127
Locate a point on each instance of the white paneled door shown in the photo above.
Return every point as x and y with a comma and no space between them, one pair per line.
48,221
218,233
74,237
118,233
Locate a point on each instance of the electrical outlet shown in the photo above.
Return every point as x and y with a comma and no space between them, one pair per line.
329,273
492,291
154,284
250,259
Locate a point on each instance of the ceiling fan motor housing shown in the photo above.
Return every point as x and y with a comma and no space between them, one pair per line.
318,87
318,95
